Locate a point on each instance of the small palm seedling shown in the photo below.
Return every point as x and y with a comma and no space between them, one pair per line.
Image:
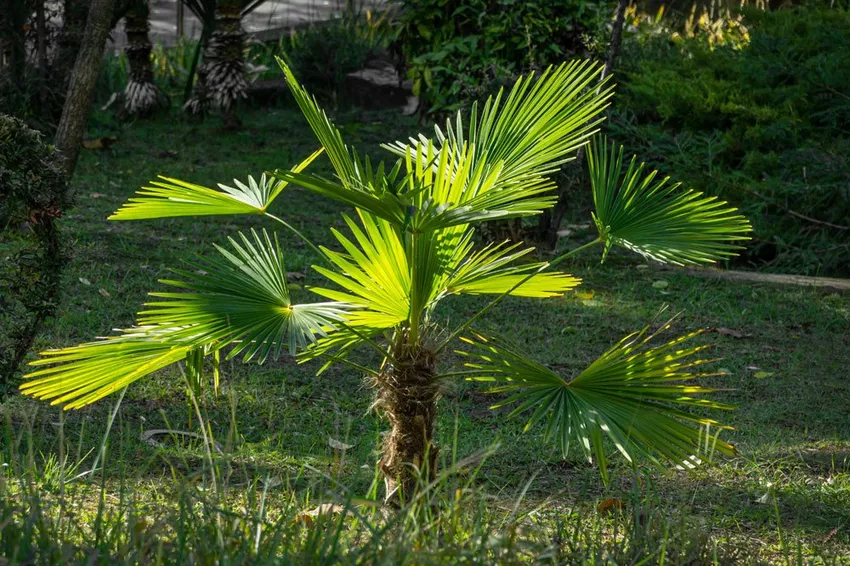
409,244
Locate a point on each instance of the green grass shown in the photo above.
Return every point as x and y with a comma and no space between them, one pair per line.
784,499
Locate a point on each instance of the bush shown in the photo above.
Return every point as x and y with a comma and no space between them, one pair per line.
33,193
459,50
323,54
757,115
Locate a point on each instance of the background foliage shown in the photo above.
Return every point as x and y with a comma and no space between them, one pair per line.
33,193
754,108
457,50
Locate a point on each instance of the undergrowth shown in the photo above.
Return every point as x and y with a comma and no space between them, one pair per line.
753,107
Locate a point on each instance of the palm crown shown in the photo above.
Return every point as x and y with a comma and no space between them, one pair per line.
409,244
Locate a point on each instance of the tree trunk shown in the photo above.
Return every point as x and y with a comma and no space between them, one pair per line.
550,220
407,395
41,46
142,96
74,16
221,77
72,125
16,13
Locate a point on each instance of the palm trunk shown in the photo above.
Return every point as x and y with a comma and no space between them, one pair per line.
221,76
142,95
407,395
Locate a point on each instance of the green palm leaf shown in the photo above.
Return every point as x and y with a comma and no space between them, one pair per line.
242,300
91,371
380,202
373,273
526,135
448,188
489,271
171,197
657,219
633,393
343,160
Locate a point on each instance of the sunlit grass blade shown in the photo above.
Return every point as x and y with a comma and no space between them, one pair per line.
168,197
658,219
634,394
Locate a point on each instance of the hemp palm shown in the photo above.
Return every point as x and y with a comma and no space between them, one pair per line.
410,243
142,95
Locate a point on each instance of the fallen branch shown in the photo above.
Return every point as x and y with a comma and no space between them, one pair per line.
825,283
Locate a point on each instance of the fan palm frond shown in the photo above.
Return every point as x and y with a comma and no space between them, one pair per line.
373,273
329,136
171,198
528,134
381,203
657,219
489,271
450,188
495,171
634,394
243,300
91,371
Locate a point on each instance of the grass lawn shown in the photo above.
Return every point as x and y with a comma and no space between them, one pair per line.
785,364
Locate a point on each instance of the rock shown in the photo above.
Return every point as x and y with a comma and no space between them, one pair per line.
376,86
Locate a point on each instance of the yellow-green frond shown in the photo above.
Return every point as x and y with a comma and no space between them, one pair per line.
634,394
491,271
242,300
657,219
372,274
168,197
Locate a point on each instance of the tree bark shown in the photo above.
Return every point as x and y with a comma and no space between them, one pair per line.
15,16
72,125
407,395
550,220
41,45
74,15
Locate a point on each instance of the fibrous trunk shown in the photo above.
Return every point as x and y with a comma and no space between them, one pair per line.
407,395
221,76
142,95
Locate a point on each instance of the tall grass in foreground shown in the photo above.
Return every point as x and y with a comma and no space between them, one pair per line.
185,507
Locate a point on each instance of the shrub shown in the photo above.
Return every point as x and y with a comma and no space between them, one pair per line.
758,116
458,49
323,54
33,193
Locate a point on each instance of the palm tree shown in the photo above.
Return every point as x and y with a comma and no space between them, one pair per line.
222,81
410,244
142,95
